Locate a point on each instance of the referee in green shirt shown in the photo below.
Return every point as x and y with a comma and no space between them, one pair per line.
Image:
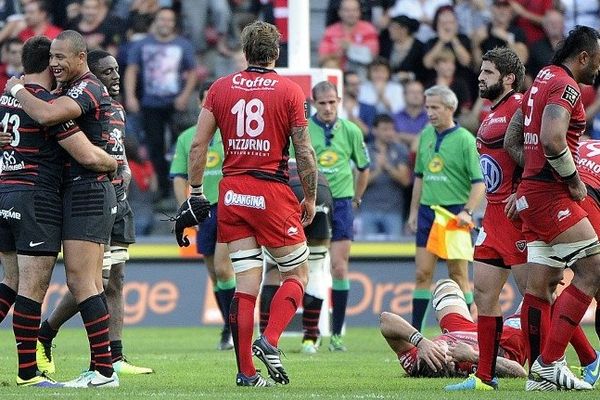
447,173
216,255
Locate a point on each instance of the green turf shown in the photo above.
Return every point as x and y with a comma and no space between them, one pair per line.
188,366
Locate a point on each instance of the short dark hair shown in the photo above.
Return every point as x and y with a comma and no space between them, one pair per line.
94,58
581,38
507,62
260,42
75,39
203,88
323,86
36,54
439,12
382,119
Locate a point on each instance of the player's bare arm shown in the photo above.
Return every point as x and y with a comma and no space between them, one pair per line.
205,130
306,162
414,204
59,110
88,155
475,196
505,368
514,139
555,123
362,181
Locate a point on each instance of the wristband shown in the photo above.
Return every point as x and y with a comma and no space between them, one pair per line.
357,201
416,338
468,211
197,190
563,164
15,89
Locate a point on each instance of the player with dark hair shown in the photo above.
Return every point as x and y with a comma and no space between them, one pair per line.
30,203
457,351
105,67
258,113
89,202
500,246
551,201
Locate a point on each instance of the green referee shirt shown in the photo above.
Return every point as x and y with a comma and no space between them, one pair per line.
336,146
448,163
214,161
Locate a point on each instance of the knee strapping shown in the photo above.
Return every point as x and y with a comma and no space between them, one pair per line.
292,260
542,253
447,293
317,252
569,253
243,260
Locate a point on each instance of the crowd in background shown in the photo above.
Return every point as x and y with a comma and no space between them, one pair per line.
390,52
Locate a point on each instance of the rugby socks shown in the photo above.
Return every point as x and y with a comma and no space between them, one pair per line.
581,344
283,308
597,321
469,299
26,324
116,350
266,296
241,320
535,322
339,298
310,317
420,305
95,319
570,308
489,331
225,295
47,333
7,299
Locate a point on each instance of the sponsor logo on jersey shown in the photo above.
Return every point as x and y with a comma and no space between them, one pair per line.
497,120
9,162
249,145
589,164
213,159
292,231
436,164
9,101
562,214
10,214
521,245
244,200
570,94
76,91
328,158
32,244
492,173
257,83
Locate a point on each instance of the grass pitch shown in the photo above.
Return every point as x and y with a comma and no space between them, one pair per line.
188,366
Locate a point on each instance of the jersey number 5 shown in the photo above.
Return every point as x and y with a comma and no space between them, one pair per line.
14,121
534,90
249,117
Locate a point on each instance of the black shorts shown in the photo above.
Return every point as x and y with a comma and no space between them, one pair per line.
123,230
320,228
89,210
30,222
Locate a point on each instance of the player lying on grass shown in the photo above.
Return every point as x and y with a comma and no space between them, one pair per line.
455,352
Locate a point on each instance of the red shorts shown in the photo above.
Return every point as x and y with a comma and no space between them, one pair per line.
267,210
592,208
455,322
500,238
547,210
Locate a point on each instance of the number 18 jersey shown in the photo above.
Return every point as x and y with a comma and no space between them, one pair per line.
255,110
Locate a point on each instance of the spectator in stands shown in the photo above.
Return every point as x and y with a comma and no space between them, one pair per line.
195,17
143,187
543,50
11,57
530,14
500,32
578,12
379,90
421,10
37,21
165,63
448,37
98,27
353,42
353,110
406,52
381,213
472,15
11,19
411,120
141,13
333,8
446,75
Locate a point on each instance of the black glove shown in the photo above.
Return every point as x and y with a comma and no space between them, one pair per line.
192,212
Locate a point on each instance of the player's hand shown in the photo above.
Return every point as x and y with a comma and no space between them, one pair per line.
412,222
192,212
5,137
577,188
461,352
432,354
12,82
511,207
307,212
